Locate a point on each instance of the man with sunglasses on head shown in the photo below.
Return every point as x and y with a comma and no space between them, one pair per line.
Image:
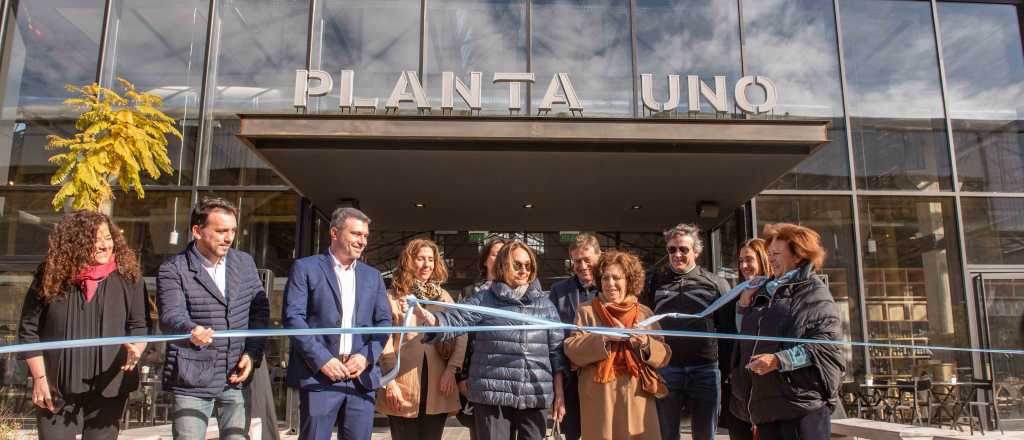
692,375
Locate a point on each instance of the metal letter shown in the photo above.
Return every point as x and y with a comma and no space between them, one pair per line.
303,89
647,92
552,96
401,94
771,96
299,101
715,97
348,100
470,95
515,82
347,87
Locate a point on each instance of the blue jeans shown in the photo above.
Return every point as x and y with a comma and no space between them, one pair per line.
192,415
698,388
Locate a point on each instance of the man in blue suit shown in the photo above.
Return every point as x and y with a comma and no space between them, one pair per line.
336,374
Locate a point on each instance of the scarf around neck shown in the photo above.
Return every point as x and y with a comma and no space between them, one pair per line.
90,277
519,292
623,359
429,290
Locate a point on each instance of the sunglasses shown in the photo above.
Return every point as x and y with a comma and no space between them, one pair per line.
681,249
522,266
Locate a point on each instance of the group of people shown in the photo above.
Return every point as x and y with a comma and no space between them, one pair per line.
503,384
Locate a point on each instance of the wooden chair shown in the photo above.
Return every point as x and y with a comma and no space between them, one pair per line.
974,407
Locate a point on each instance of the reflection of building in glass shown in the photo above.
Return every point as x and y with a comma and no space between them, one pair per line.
917,194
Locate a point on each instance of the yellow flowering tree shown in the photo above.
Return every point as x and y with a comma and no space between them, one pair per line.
119,136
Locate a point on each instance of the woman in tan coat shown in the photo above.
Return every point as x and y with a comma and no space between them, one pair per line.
420,399
618,381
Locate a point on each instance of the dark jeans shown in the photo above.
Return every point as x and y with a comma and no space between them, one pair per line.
466,419
571,422
814,426
424,427
91,415
739,432
500,422
698,388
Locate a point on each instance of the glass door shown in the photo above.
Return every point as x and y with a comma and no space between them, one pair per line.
1000,299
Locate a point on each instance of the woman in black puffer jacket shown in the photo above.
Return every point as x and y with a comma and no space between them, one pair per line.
788,390
515,374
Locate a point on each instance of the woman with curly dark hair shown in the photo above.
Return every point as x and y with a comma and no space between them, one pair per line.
89,286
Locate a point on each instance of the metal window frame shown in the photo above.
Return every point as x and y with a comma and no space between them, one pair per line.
529,54
421,66
4,13
205,134
633,50
974,328
104,31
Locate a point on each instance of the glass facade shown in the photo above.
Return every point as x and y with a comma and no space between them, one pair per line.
795,43
466,36
895,95
919,189
832,218
983,76
913,281
688,38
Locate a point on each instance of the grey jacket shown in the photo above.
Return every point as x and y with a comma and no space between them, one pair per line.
513,368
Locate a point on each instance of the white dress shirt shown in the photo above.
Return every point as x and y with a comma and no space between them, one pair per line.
218,272
347,285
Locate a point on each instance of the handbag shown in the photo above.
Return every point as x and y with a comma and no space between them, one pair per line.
555,433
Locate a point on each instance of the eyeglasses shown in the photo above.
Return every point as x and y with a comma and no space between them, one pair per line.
681,249
522,266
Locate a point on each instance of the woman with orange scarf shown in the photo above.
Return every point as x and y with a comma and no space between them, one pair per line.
618,381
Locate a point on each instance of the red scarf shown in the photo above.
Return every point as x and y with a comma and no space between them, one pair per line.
91,276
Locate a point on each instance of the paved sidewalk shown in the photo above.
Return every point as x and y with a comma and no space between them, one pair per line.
455,431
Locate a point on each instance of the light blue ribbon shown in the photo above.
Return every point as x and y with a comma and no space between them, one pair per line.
532,323
731,295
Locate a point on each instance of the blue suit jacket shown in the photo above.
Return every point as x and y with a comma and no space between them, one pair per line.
312,300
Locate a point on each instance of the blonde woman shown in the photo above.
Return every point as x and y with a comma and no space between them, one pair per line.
420,399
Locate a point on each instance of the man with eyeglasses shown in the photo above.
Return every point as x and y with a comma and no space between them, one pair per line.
692,375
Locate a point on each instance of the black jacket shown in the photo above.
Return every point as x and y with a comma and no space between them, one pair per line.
802,308
568,294
513,368
669,292
124,313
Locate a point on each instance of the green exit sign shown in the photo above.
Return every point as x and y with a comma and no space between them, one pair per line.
477,236
567,236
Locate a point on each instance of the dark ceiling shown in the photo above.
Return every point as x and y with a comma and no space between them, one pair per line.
476,183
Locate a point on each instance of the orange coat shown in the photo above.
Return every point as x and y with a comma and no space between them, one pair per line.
618,410
409,374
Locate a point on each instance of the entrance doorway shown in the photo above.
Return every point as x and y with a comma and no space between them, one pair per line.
1000,299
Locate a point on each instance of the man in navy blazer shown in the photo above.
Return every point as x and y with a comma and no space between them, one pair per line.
336,374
